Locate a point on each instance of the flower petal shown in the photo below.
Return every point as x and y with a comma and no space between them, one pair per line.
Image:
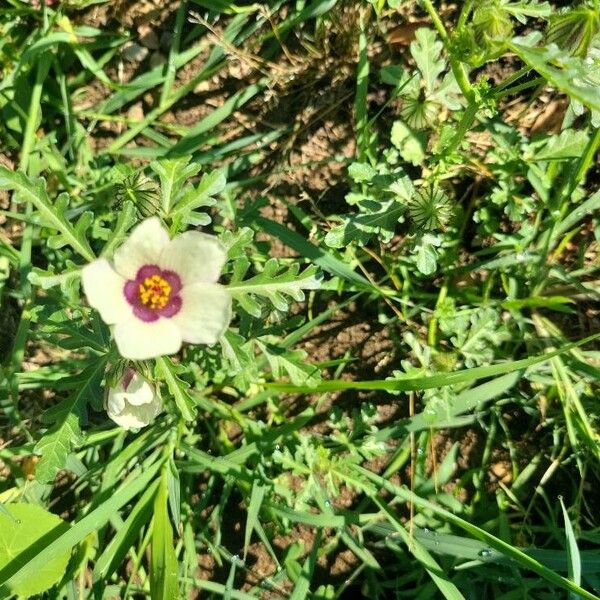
138,340
195,257
205,313
134,417
140,391
142,247
103,287
115,402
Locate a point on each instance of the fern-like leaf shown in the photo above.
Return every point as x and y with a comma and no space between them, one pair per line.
275,284
51,215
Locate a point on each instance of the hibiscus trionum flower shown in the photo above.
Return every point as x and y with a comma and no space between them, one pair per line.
134,402
159,292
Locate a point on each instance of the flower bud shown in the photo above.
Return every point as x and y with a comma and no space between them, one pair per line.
133,402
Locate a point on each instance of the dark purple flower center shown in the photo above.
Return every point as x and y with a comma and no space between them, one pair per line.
153,293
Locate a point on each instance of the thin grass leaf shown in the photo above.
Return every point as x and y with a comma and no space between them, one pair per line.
256,498
164,583
573,556
518,557
437,574
302,588
407,384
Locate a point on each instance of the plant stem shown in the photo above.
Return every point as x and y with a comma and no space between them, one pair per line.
584,163
463,126
432,332
461,77
457,67
27,241
464,13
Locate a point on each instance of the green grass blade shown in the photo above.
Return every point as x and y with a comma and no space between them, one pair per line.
573,556
163,567
407,384
518,557
316,254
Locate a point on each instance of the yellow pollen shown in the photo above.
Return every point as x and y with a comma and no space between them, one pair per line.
154,292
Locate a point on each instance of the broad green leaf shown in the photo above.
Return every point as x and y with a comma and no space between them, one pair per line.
25,529
568,144
98,517
361,172
408,143
426,253
529,8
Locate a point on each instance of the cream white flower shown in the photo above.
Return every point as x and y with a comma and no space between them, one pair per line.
134,402
159,292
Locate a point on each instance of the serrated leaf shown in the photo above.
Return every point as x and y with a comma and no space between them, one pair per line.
476,335
178,388
274,284
236,242
361,172
426,254
426,51
211,184
55,446
520,10
572,75
408,143
125,220
239,355
291,364
173,173
568,144
51,215
362,227
47,279
22,528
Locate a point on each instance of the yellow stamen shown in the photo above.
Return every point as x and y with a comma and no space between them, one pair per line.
154,292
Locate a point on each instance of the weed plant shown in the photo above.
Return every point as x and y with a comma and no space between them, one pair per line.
251,457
